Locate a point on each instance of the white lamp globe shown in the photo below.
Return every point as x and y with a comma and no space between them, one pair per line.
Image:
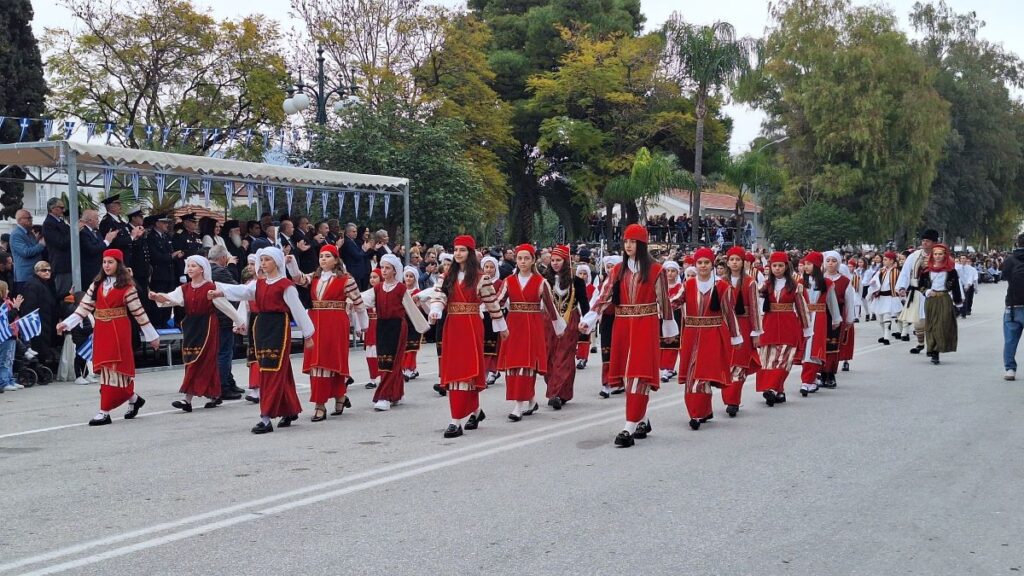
289,106
301,101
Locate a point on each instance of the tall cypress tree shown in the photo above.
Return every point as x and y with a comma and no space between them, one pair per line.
22,89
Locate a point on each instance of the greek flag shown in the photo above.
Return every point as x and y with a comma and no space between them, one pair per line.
29,325
85,350
5,328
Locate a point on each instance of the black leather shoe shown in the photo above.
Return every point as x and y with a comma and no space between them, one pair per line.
230,395
237,390
286,421
804,392
706,418
916,349
769,397
642,430
555,403
514,417
262,428
624,440
440,390
252,399
213,403
346,404
881,340
101,421
134,410
532,410
619,390
604,394
780,398
453,431
846,367
319,415
885,341
694,424
905,338
935,358
474,421
182,405
371,385
732,410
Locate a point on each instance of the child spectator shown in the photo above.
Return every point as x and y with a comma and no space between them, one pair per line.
8,314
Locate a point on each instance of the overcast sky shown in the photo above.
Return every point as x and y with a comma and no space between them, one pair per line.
750,17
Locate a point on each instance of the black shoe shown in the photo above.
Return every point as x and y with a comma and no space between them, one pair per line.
732,410
882,340
182,405
345,404
935,358
440,390
642,430
230,395
349,381
515,417
905,338
694,423
100,422
619,390
580,365
453,431
533,409
134,410
829,381
604,394
319,415
846,366
286,421
474,421
237,390
624,440
769,397
804,392
371,385
262,428
252,399
780,398
555,403
708,417
886,342
213,403
897,336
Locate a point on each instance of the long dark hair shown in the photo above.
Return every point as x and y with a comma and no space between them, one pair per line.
564,277
817,275
472,270
644,264
770,281
122,277
339,267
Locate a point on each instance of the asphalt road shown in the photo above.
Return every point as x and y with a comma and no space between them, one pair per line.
906,468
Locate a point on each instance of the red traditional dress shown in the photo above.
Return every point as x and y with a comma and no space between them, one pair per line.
525,354
327,361
570,304
786,324
113,357
710,332
670,346
745,360
583,341
249,311
841,339
824,315
395,310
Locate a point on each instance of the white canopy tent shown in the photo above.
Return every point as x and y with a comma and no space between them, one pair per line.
99,167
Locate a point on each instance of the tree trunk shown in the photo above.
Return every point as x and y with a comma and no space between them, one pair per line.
629,213
525,205
698,161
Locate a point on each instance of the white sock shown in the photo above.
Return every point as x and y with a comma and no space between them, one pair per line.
265,419
255,392
188,398
101,415
134,399
630,427
517,408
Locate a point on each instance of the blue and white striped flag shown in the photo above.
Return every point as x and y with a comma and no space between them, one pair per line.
85,350
5,328
30,325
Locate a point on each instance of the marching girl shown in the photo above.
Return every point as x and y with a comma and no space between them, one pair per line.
942,295
492,342
846,296
247,311
199,343
883,301
609,385
825,319
411,276
460,293
110,299
710,332
745,360
670,346
278,303
583,342
331,291
786,324
395,310
525,353
857,270
370,338
638,291
571,303
446,263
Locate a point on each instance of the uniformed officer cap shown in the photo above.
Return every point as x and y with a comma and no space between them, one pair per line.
165,218
136,213
190,217
111,199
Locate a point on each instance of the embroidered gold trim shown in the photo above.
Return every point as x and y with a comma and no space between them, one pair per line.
818,307
105,314
636,310
524,307
703,321
329,305
783,307
463,308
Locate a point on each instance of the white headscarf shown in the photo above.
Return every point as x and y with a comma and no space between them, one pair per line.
393,261
204,264
671,265
690,271
583,268
842,268
492,260
252,259
446,256
275,253
415,272
614,259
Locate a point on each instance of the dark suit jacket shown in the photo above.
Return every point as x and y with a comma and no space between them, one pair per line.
357,262
58,244
91,247
41,295
162,277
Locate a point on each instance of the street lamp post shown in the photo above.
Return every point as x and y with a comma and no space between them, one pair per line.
757,215
298,100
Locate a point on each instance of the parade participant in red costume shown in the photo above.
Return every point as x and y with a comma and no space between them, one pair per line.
332,291
583,340
825,318
638,291
745,360
247,312
842,340
786,324
278,303
670,346
110,299
606,325
571,303
525,353
411,278
396,309
199,341
710,332
370,338
459,295
492,341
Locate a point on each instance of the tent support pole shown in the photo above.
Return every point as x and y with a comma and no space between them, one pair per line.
76,251
405,222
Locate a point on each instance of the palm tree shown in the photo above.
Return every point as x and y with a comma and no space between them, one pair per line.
650,175
704,59
747,172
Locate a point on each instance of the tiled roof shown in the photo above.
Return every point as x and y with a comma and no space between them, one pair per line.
715,200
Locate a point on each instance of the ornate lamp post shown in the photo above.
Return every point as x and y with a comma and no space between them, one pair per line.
298,99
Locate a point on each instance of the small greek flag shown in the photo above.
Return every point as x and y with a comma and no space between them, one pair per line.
30,325
5,328
85,350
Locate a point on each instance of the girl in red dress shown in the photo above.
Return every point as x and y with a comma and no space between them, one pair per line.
278,303
710,333
825,317
638,291
745,360
459,295
492,341
571,303
370,338
110,299
606,325
583,342
524,355
670,346
199,343
411,278
786,324
247,311
840,341
331,291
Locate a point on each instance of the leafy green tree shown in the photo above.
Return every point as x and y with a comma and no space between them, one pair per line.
168,64
22,89
649,177
751,172
704,59
817,226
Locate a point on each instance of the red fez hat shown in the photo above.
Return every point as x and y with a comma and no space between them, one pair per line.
737,251
890,255
330,248
378,272
703,253
526,248
115,254
779,257
636,232
561,251
815,258
689,261
466,241
749,257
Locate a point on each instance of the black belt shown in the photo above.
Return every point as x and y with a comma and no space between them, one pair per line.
885,293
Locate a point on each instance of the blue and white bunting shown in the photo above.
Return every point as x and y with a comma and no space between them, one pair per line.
161,183
373,199
206,185
135,185
185,133
47,128
289,194
165,137
128,130
271,193
341,203
24,128
248,137
110,132
355,199
309,201
387,203
69,129
183,188
108,180
90,131
323,203
150,130
249,189
29,325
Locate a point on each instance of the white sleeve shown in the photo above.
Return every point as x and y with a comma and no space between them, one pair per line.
238,292
369,299
224,306
72,322
419,323
291,298
149,333
176,299
243,313
903,282
669,328
498,324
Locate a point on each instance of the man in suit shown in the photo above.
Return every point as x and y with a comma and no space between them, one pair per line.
113,220
58,244
92,245
25,249
161,259
356,258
